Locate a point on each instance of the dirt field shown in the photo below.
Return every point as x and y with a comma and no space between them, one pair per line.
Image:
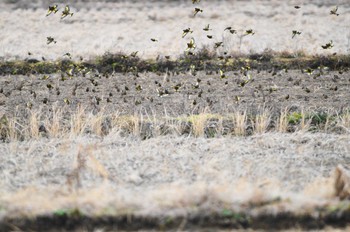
174,149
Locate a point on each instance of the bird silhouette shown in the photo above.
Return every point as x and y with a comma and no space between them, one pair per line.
334,11
191,45
197,10
50,40
66,12
328,45
218,44
52,9
294,33
186,31
206,28
250,32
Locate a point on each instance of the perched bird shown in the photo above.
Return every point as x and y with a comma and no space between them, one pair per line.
328,45
222,74
197,10
294,33
209,36
334,11
195,1
50,40
309,71
66,12
191,45
66,100
297,7
206,28
218,44
52,9
186,31
228,28
154,40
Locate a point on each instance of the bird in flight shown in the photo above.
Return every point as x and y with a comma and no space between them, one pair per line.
186,31
250,32
191,45
334,11
294,33
206,28
50,40
218,44
66,12
232,31
197,10
328,45
52,9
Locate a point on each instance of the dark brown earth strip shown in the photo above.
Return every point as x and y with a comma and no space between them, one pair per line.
192,222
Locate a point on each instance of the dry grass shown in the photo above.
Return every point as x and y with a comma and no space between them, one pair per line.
282,121
240,123
81,122
262,121
171,175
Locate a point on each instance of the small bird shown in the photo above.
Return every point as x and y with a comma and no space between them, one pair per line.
250,32
186,31
66,12
195,1
206,28
138,88
134,54
66,100
218,44
228,28
328,45
50,40
294,33
209,36
68,55
297,7
334,11
232,31
52,9
191,45
154,40
197,10
309,71
222,74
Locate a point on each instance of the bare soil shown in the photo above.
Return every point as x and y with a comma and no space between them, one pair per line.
181,94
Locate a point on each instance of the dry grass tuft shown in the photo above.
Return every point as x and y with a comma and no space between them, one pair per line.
239,123
262,121
282,121
342,182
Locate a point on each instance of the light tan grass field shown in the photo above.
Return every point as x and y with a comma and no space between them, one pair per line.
76,165
125,26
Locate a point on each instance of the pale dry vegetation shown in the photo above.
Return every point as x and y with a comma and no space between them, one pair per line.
83,122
